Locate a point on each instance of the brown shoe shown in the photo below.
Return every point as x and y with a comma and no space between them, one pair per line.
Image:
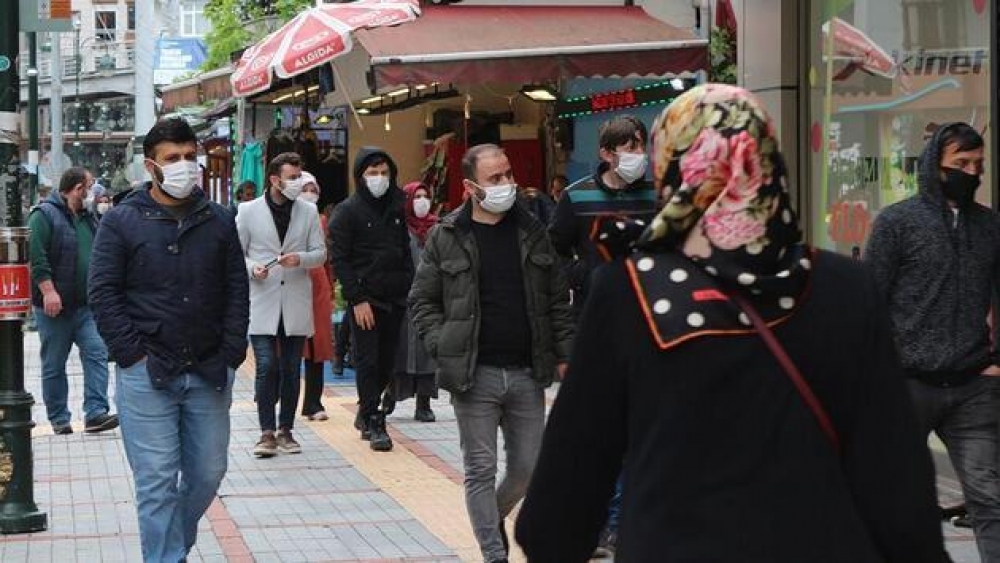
267,446
288,444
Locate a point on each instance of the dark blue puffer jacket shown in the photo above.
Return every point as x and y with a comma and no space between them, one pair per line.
175,292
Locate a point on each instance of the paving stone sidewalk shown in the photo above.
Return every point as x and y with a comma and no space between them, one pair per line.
337,501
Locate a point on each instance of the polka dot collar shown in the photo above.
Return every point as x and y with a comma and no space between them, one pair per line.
682,299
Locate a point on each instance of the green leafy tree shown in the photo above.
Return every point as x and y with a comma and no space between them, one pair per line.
722,55
228,32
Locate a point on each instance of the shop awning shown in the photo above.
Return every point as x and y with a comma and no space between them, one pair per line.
523,44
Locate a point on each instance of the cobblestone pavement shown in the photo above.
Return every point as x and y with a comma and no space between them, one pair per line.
336,501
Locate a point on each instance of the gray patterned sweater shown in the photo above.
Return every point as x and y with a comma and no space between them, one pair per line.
938,272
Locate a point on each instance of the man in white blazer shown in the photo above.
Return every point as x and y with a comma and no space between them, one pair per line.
282,239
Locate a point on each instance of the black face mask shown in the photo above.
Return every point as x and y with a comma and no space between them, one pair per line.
959,186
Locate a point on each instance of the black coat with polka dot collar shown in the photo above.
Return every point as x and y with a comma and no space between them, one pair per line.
721,459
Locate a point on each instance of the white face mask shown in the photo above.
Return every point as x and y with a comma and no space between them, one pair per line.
311,197
377,185
179,178
88,201
421,207
631,166
103,207
291,188
498,199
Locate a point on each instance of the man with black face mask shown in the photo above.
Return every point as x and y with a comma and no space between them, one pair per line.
936,258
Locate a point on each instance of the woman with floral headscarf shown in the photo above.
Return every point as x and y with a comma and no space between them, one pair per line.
727,452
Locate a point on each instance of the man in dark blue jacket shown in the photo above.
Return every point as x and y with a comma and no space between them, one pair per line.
170,294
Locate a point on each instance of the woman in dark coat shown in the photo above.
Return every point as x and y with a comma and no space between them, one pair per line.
723,458
414,373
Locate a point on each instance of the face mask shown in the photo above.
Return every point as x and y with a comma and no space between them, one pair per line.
311,197
377,185
959,186
88,201
421,207
631,166
103,208
291,188
498,199
179,178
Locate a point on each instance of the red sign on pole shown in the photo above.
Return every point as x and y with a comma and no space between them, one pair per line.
15,290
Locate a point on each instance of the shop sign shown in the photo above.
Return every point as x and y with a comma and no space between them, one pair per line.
660,93
943,62
15,290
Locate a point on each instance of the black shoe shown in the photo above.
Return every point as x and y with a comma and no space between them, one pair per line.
388,402
62,428
424,412
606,545
100,423
360,423
964,521
338,366
951,512
380,440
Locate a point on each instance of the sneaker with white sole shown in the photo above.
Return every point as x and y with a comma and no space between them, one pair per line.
288,444
267,446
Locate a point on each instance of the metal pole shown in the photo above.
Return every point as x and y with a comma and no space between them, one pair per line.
32,115
56,107
18,512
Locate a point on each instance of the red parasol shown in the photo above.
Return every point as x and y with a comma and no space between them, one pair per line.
313,38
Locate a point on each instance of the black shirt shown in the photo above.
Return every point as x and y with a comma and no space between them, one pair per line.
504,330
282,214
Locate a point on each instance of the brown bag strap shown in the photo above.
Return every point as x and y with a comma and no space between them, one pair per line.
790,369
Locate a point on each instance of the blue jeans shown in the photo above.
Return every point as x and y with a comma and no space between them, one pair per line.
966,419
58,335
513,402
181,431
279,359
615,508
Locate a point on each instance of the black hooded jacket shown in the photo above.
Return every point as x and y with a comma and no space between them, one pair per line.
369,243
937,270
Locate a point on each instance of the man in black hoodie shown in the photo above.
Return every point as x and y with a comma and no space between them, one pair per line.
370,249
936,258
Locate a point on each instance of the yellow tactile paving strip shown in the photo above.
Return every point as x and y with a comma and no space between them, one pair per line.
428,494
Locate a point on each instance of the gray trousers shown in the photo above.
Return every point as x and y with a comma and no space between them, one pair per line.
515,403
966,419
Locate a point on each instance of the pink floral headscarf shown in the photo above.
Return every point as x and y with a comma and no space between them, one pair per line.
727,222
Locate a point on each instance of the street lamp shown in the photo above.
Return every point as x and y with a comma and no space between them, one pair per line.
79,70
105,66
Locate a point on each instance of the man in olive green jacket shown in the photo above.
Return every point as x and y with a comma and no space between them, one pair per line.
492,307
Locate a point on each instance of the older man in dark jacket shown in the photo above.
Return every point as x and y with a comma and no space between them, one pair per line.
169,290
492,307
370,249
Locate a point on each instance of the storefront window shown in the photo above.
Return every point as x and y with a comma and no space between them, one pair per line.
884,74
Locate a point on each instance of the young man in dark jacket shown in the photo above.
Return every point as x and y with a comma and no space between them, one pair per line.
618,191
492,308
62,236
370,249
169,290
936,258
